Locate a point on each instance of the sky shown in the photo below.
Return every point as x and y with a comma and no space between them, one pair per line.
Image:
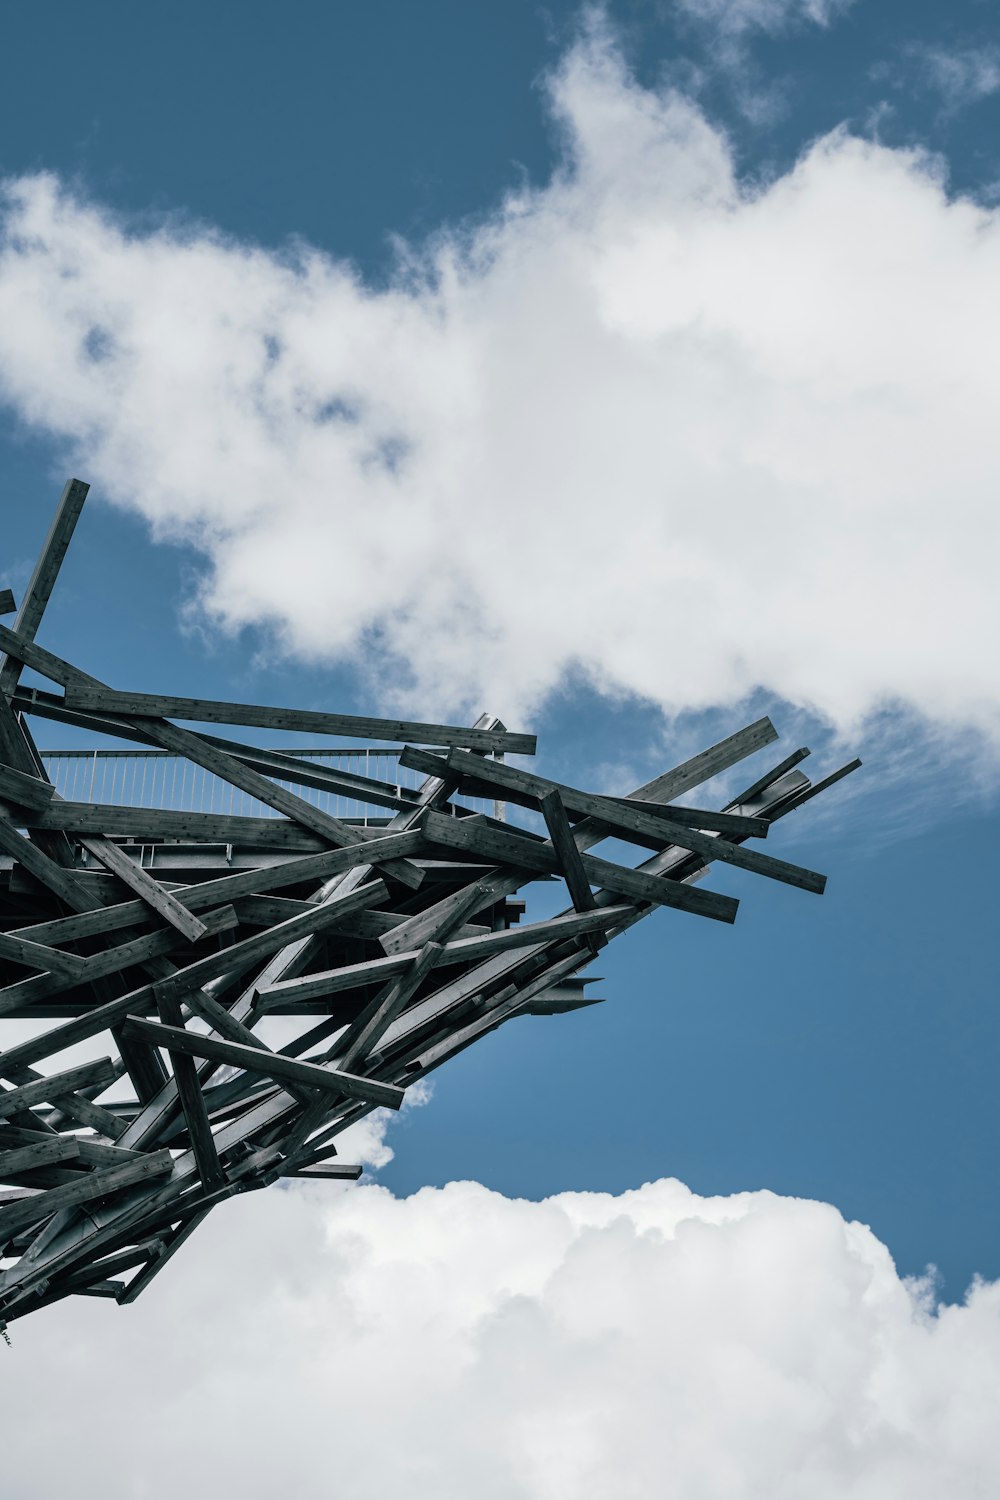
628,373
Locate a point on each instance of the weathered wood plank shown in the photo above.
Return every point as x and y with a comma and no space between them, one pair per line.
115,960
44,575
770,777
327,982
807,794
417,930
261,944
335,1170
270,1064
92,1153
230,888
518,850
146,888
189,1092
194,748
61,882
43,1153
557,823
31,955
92,698
97,1184
625,819
47,1090
481,778
26,791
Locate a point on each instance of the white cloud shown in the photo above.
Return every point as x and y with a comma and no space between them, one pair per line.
688,435
961,75
588,1347
735,17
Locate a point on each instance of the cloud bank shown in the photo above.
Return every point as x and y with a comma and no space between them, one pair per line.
686,434
458,1342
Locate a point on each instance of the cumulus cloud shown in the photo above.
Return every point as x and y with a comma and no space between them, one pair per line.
686,434
458,1342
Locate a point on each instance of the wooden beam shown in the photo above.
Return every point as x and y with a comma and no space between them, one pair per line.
461,904
26,791
128,955
45,573
364,1035
194,748
226,889
93,698
40,1154
46,1090
516,849
31,955
189,1093
556,821
61,882
146,888
271,1064
241,954
97,1184
625,819
339,1171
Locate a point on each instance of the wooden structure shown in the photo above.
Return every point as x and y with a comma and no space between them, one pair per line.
166,941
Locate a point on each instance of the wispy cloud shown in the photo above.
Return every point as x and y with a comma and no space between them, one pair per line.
960,75
740,17
689,437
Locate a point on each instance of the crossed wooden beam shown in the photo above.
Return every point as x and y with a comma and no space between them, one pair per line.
392,946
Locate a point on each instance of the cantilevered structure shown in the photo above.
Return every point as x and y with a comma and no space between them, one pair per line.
160,940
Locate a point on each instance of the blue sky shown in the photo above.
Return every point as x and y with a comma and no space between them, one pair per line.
841,1049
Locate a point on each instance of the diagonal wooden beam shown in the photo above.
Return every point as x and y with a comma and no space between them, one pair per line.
45,573
93,698
45,1090
146,888
271,1064
189,1093
556,821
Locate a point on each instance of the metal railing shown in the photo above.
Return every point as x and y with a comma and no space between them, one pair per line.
160,779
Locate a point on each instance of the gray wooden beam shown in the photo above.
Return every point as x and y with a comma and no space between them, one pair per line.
516,849
93,698
556,821
271,1064
146,888
189,1093
96,1184
45,573
624,819
46,1090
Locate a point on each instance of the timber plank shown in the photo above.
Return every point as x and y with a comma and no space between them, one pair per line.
146,888
189,1092
44,575
514,849
96,1184
93,698
46,1090
625,819
271,1064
